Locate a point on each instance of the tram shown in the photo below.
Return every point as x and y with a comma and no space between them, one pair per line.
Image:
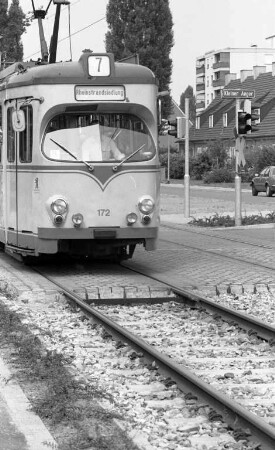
79,169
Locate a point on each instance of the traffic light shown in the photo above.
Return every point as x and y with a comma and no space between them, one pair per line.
163,127
245,122
178,127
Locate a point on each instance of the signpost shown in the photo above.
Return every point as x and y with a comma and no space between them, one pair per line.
246,95
237,93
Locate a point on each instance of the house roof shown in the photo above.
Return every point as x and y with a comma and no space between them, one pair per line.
264,87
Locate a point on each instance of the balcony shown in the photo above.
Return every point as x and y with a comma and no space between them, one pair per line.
200,70
218,83
200,105
200,87
221,65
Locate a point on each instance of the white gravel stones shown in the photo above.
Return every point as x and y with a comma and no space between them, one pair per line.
260,304
240,365
155,414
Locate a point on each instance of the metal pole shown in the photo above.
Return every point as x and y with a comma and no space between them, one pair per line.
186,175
168,159
54,39
238,203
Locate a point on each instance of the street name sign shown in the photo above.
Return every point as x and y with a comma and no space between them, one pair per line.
238,93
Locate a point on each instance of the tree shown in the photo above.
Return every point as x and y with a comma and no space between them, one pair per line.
13,23
3,23
143,27
188,93
217,151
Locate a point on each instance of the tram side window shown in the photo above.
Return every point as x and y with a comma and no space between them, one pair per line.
10,137
25,137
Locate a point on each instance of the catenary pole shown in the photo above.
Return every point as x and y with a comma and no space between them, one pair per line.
168,159
186,175
238,203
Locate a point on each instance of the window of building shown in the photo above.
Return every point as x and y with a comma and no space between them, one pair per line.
257,111
211,121
198,122
224,120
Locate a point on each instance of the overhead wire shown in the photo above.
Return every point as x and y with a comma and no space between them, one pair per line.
70,34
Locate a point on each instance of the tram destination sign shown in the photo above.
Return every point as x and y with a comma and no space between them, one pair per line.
100,93
238,93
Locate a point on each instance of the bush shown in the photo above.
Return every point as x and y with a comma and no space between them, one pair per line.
260,157
176,164
200,165
219,176
247,175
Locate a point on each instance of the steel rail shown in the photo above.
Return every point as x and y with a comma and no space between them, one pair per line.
249,323
233,413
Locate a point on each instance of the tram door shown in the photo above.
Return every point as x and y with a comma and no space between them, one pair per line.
18,172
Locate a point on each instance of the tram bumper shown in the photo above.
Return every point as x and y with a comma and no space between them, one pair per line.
53,240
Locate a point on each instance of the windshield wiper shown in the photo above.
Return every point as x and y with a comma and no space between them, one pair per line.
72,155
127,157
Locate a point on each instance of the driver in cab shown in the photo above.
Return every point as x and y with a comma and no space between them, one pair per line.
108,146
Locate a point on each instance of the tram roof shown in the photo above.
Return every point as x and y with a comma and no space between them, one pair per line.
24,74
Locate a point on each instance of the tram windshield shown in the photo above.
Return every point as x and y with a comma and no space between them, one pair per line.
98,137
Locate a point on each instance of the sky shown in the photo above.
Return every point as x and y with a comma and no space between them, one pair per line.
199,26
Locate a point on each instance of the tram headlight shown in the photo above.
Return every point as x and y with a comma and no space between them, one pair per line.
146,205
59,206
77,220
131,218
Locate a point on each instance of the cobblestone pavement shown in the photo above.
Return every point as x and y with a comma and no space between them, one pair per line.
197,258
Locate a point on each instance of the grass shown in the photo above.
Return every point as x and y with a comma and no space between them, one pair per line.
228,221
69,407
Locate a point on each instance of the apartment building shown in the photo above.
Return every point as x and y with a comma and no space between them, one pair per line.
218,67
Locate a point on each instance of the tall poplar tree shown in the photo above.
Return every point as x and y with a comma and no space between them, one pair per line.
189,93
13,23
143,27
3,24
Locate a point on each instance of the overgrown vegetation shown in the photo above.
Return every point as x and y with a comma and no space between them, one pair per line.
59,399
227,221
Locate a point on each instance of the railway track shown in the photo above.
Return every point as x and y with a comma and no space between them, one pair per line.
194,391
225,367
